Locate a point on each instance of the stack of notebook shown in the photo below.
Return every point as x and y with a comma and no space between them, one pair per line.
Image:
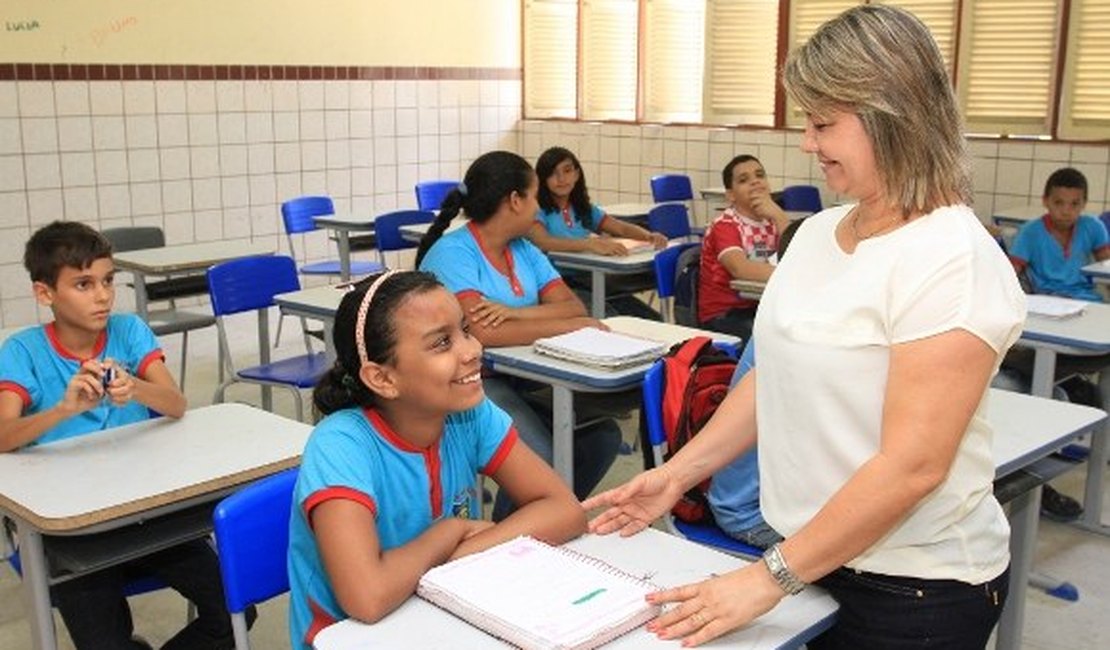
537,596
594,347
1053,306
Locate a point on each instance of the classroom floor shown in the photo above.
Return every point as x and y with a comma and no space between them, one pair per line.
1051,624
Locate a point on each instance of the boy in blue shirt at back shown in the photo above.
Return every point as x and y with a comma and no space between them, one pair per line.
86,371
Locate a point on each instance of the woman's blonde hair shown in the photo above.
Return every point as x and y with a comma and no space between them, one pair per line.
881,63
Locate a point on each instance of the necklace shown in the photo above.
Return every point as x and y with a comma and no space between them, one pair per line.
855,226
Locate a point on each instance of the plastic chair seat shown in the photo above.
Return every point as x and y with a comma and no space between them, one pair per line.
331,267
302,371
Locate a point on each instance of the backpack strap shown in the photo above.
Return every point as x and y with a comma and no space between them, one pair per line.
676,374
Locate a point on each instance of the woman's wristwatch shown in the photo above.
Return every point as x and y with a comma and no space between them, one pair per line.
783,576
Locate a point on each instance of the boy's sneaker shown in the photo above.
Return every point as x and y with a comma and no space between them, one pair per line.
1059,507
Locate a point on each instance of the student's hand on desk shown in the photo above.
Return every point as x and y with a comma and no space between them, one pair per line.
606,246
658,240
634,505
488,313
708,609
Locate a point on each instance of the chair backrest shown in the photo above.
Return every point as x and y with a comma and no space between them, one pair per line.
665,263
671,187
132,238
801,198
387,228
252,540
250,283
687,274
430,194
670,219
1105,219
297,214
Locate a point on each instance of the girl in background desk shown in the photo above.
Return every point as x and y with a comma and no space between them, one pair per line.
386,488
512,295
569,222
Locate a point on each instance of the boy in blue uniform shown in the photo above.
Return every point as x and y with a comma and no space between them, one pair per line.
86,371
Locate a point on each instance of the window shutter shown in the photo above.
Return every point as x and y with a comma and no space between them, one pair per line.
550,58
741,61
805,17
1086,106
674,52
1005,81
940,17
609,61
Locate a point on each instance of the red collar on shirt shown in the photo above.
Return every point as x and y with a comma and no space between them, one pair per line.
567,218
52,336
1053,231
510,266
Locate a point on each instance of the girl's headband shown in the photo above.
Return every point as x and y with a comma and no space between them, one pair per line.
364,306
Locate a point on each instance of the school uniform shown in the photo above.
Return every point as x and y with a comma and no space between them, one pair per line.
720,308
355,455
1056,269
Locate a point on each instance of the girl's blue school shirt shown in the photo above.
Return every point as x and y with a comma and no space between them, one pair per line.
35,366
353,454
567,225
462,265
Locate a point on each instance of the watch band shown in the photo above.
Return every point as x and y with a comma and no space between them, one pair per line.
776,565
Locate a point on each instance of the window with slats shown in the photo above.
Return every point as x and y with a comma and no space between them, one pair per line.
550,58
940,17
741,61
674,60
609,61
1005,81
805,17
1085,109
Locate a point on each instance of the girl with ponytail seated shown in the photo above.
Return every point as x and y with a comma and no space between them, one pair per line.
386,488
512,295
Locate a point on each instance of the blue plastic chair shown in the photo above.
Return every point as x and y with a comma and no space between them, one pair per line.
665,264
801,198
671,187
252,540
388,228
250,284
670,219
430,194
707,534
298,215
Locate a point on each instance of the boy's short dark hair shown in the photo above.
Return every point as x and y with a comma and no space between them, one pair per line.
1066,177
61,244
726,174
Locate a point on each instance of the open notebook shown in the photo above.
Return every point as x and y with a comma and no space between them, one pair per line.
594,347
538,596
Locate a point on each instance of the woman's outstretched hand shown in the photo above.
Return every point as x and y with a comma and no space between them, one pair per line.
633,506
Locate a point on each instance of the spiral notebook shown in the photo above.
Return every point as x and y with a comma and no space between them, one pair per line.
594,347
540,597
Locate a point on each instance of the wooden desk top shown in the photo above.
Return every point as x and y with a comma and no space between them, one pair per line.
188,257
136,471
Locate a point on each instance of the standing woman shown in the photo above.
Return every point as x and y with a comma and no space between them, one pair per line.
889,317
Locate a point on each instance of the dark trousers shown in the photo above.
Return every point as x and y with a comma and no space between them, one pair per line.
98,617
736,321
879,611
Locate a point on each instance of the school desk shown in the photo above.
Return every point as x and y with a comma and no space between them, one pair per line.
1098,271
750,289
665,559
154,473
318,303
600,266
180,259
636,213
1016,216
343,227
566,377
414,232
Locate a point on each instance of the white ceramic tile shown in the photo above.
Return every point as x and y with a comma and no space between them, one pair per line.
609,150
234,191
262,189
11,244
470,120
983,148
204,162
170,97
9,100
179,228
427,93
40,134
384,122
236,223
312,125
773,158
109,132
287,127
408,175
12,175
720,153
384,94
200,96
629,151
313,155
470,93
361,124
233,160
203,129
258,96
795,163
385,203
142,165
314,182
260,127
208,224
631,180
13,209
114,201
44,206
406,122
138,97
111,167
362,152
44,170
337,125
173,130
80,203
361,94
1013,176
285,94
146,198
489,94
337,95
428,120
489,119
469,148
532,145
310,95
71,97
428,148
1096,184
206,193
177,196
338,154
385,179
404,94
1015,150
264,220
1055,151
674,154
106,98
142,131
608,179
36,98
288,186
449,148
1090,153
1042,169
510,92
287,157
983,171
449,93
173,162
260,158
229,96
78,169
232,128
13,284
339,184
11,138
407,150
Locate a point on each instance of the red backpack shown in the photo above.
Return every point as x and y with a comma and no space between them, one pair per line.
696,378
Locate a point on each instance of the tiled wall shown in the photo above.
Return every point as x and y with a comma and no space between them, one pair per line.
619,159
208,158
